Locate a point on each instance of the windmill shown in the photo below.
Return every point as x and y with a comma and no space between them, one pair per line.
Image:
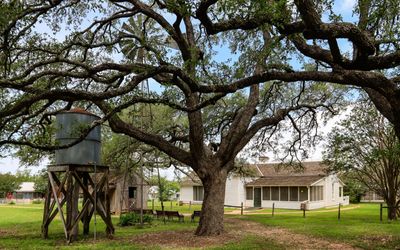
133,35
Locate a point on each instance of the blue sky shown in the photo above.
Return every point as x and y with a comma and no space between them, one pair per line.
343,7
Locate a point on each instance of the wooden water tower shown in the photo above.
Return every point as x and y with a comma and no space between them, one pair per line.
77,169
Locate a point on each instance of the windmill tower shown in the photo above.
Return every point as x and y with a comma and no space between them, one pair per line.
134,30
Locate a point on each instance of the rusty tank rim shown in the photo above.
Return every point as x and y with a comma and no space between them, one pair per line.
78,111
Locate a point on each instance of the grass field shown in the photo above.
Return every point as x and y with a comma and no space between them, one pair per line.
359,227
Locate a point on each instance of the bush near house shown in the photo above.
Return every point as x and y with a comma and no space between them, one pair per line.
130,219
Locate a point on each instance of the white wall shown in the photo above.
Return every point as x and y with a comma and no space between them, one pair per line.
186,193
331,196
235,192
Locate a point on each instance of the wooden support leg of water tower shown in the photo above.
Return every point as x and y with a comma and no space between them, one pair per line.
87,214
46,212
67,190
72,208
110,228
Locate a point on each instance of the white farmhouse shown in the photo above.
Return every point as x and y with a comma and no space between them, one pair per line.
275,184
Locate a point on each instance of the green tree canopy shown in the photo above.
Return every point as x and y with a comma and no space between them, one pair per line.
364,145
235,70
8,183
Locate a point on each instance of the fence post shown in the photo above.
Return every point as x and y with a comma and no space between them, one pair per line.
241,208
273,209
152,204
171,205
304,213
190,205
380,212
338,216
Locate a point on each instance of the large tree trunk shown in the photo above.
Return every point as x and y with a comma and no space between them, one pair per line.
212,212
391,203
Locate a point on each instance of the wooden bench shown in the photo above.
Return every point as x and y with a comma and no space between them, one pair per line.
170,215
159,214
195,214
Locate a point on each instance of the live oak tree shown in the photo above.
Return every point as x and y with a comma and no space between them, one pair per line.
8,184
225,100
365,147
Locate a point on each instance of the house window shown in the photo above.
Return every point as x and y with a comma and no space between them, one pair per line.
249,193
198,193
317,193
303,192
266,193
131,192
340,191
275,193
333,190
284,193
294,193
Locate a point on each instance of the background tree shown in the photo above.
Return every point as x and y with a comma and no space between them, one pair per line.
166,188
353,187
364,144
226,100
40,182
8,184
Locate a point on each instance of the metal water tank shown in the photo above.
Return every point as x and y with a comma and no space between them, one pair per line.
69,127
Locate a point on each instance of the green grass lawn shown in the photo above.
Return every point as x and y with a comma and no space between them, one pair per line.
359,227
20,228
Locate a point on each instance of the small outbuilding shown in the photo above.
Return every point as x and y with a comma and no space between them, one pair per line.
125,192
26,193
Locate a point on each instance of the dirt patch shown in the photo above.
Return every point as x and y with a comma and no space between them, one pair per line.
235,230
184,239
285,237
382,239
7,232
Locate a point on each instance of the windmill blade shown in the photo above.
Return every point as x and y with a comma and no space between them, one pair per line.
129,29
131,32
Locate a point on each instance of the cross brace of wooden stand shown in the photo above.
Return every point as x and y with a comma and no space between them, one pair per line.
64,185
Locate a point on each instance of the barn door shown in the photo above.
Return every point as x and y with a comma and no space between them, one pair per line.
257,197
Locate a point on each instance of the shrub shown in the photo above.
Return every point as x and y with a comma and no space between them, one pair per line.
11,203
147,218
132,219
37,201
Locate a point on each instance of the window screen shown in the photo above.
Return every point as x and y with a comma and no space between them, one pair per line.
249,193
303,191
198,193
284,193
275,193
294,193
317,193
266,193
